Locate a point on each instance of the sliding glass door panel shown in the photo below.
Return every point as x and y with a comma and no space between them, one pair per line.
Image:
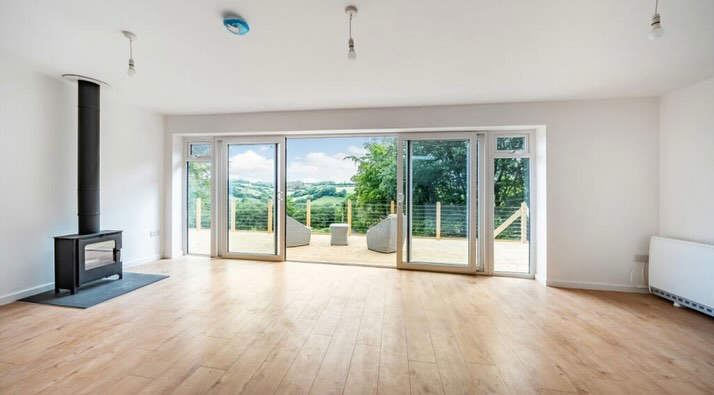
439,201
511,214
252,209
198,207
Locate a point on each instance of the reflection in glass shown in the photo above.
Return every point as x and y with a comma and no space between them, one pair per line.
511,215
252,186
200,150
438,201
99,254
510,143
198,207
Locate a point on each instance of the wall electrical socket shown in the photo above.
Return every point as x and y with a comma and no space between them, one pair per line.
154,233
641,258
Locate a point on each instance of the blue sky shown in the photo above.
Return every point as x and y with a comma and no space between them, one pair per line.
299,148
323,159
309,160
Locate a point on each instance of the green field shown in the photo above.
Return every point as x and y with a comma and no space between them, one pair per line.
328,199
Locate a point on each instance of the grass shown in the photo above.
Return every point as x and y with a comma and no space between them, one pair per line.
329,199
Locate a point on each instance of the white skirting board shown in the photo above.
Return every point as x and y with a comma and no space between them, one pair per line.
595,286
683,272
9,298
141,261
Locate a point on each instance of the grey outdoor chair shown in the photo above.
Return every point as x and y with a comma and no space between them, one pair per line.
383,236
296,234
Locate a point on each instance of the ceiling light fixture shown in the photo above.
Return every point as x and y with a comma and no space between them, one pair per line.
352,12
657,30
236,24
132,37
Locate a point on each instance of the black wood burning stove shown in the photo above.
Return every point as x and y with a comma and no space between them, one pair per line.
80,259
92,253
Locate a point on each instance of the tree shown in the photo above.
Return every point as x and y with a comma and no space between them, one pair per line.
376,178
440,172
199,186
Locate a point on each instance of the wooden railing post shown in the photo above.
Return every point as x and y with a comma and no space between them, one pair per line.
524,222
233,214
349,218
438,220
198,213
270,216
307,214
507,222
391,207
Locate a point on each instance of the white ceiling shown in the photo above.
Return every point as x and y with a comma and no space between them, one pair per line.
410,52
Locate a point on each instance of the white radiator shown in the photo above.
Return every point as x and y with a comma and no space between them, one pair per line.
683,272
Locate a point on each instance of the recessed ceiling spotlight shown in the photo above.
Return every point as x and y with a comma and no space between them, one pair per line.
351,53
132,37
236,25
657,30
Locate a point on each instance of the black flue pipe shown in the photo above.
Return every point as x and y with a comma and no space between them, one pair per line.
88,158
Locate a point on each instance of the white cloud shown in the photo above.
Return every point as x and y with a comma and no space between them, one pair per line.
313,167
252,166
318,166
357,151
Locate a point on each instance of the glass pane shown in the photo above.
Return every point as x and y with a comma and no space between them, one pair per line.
511,215
438,202
199,208
99,254
252,186
510,143
200,150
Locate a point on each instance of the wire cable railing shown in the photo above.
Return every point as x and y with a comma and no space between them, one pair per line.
427,220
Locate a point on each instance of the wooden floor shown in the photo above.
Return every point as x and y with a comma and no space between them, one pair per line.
229,327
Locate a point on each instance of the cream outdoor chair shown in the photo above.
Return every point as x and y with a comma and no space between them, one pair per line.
383,236
296,234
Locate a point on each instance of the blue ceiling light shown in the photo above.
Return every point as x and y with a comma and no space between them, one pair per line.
236,25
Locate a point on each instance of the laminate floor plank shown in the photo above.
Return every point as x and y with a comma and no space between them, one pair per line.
302,372
424,378
129,385
393,358
364,371
198,382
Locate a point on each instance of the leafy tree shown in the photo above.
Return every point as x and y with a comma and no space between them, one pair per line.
440,170
440,174
376,176
199,186
511,188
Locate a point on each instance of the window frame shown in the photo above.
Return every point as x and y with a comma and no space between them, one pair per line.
529,153
187,157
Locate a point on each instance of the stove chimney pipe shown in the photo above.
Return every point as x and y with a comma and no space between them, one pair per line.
88,158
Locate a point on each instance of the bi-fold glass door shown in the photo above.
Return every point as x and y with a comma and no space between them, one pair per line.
459,208
438,202
252,206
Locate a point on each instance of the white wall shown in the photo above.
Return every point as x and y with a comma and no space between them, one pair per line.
687,163
602,173
38,176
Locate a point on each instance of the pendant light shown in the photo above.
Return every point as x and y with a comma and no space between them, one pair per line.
132,37
351,53
657,30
